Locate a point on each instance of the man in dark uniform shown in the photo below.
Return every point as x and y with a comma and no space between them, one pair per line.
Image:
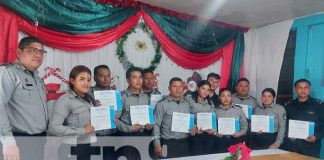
214,80
306,108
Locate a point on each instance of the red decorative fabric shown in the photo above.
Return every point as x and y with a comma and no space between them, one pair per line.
8,35
78,43
226,64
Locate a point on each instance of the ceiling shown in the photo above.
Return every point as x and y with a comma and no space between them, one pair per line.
245,13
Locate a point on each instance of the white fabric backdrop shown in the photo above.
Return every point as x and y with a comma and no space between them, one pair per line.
263,56
107,55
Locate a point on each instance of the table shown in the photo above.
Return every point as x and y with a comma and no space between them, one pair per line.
266,154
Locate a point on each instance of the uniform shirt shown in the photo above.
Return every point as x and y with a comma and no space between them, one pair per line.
154,91
23,105
130,99
310,110
233,112
249,100
71,112
163,119
280,120
91,93
198,107
215,99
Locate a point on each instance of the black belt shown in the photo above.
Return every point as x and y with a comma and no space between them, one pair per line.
29,135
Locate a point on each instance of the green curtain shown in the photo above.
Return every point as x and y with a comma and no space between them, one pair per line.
192,35
70,16
237,61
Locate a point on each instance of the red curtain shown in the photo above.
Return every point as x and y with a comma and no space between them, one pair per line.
8,35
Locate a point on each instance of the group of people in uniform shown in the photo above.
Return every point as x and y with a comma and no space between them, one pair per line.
24,112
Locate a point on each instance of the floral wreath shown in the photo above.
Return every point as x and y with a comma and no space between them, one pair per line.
140,46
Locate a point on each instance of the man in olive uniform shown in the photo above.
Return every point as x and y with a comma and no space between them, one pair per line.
23,108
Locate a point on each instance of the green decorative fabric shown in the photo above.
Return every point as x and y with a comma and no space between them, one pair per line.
237,61
194,36
70,16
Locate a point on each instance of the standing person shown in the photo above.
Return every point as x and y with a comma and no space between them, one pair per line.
71,113
242,97
176,143
306,108
133,96
270,140
214,80
199,102
227,109
102,77
148,83
23,108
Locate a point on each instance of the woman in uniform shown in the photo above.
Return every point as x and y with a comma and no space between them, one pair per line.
262,140
227,109
199,102
71,113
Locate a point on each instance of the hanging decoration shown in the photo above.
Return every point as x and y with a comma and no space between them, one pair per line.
140,46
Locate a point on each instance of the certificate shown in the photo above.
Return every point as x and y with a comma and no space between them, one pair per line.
102,118
141,114
109,98
262,123
206,120
247,110
182,122
228,126
300,129
155,98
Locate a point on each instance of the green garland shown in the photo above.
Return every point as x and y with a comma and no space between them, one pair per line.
121,53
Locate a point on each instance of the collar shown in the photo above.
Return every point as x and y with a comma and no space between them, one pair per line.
170,98
221,106
308,101
99,88
129,92
20,66
262,106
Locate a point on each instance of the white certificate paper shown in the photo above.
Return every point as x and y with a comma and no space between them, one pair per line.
182,122
109,98
141,114
228,126
247,110
102,118
300,129
206,120
154,99
262,123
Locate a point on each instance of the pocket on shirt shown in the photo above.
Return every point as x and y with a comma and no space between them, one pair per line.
24,93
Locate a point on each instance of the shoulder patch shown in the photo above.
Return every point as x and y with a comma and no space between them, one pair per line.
6,64
317,101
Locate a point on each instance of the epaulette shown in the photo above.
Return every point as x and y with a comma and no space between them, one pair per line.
252,97
317,101
163,98
6,64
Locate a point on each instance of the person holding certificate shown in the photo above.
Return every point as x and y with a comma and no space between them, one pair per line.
262,140
102,77
71,113
200,102
306,108
133,96
168,142
227,110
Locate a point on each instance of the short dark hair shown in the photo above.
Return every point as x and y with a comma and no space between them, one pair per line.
203,82
147,71
270,90
196,94
26,41
241,80
223,90
174,79
132,69
96,69
212,74
302,80
76,71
